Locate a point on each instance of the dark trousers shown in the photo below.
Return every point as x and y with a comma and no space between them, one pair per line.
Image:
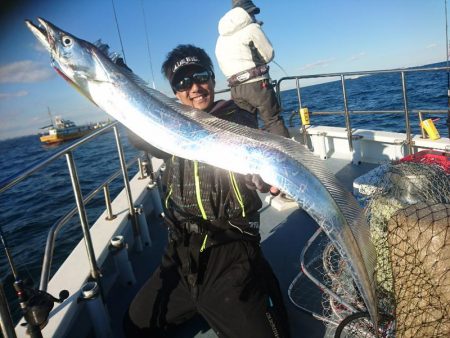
230,285
259,97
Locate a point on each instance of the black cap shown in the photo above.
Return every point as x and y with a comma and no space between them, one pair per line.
248,5
185,62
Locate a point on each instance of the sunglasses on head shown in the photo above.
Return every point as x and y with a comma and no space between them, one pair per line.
187,81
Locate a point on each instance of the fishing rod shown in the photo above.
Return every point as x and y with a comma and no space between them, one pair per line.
148,44
8,255
146,37
282,69
19,287
118,31
35,304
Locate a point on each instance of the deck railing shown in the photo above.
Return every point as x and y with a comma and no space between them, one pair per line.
80,201
343,76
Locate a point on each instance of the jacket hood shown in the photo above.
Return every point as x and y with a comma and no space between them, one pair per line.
233,21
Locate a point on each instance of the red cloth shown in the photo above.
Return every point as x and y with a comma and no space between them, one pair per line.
440,158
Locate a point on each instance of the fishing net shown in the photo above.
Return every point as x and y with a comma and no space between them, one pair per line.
419,242
422,192
408,209
325,289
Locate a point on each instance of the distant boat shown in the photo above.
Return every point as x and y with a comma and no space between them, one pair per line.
63,130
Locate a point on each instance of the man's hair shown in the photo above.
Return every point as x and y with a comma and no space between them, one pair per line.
182,52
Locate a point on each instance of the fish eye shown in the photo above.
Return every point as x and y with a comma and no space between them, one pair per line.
66,41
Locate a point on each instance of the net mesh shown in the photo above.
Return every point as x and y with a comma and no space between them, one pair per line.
419,242
407,206
423,193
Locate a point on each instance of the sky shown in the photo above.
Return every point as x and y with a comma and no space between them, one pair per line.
309,37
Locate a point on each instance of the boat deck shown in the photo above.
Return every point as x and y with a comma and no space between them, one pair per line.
284,233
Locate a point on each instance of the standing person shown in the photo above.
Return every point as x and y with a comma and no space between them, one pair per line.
243,52
213,264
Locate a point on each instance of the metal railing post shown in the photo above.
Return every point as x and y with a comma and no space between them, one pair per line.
347,115
83,217
131,209
54,230
299,97
422,131
6,323
297,85
47,261
108,203
141,169
407,126
278,92
150,170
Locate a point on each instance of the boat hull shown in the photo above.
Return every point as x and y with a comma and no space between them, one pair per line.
54,139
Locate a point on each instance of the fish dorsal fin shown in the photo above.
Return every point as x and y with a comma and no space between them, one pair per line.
118,60
164,99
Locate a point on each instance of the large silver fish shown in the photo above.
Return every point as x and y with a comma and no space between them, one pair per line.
196,135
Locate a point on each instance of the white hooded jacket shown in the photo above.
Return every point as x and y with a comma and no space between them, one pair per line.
237,32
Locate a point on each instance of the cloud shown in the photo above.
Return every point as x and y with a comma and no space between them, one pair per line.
40,48
431,45
24,72
320,63
20,93
357,56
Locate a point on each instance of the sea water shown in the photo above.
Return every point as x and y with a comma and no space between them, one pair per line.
380,92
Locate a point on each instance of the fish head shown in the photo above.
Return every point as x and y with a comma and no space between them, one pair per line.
76,60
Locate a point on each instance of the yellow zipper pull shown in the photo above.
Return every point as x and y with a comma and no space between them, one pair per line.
204,243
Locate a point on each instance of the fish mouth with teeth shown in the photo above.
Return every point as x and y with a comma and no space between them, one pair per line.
41,32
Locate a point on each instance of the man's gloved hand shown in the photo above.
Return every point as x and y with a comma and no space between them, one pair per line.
255,182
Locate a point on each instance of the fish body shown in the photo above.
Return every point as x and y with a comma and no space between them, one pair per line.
196,135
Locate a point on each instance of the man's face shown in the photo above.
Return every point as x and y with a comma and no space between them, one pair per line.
201,94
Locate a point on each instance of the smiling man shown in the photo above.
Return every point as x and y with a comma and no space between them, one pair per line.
213,264
191,77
